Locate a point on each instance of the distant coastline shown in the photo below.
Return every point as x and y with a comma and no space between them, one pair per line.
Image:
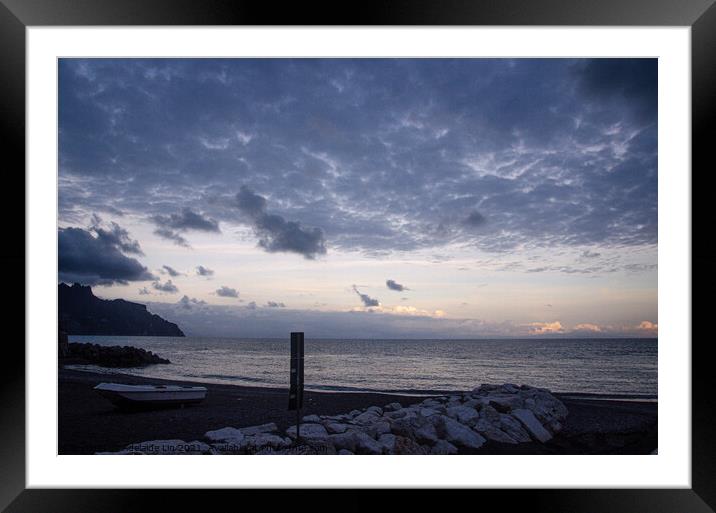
83,313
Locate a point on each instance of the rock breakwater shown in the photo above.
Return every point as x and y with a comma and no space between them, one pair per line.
448,424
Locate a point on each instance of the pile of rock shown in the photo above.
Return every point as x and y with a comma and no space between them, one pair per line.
438,425
112,356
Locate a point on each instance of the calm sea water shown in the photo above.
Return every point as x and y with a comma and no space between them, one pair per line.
601,366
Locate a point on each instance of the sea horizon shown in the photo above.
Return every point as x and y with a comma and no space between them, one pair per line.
613,367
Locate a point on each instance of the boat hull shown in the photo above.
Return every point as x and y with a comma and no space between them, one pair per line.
150,396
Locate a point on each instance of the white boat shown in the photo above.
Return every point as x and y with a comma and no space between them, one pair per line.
150,395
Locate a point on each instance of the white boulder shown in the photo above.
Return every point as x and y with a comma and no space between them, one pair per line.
387,442
263,428
531,424
225,434
456,433
336,427
463,414
309,432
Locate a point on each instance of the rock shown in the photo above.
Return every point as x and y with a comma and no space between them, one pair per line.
547,408
405,413
426,434
476,404
377,429
354,413
368,417
335,427
485,388
506,403
397,414
311,418
405,445
336,417
345,452
402,427
263,428
377,410
112,356
456,433
392,407
510,388
490,414
225,434
261,440
431,403
513,428
530,422
309,432
428,412
443,447
356,442
387,442
463,414
492,432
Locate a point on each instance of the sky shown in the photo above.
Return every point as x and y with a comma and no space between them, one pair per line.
365,198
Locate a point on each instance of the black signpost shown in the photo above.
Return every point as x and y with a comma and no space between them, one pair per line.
295,394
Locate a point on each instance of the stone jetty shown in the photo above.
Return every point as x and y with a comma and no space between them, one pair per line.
449,424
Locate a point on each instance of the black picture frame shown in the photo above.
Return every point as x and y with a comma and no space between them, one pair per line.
17,15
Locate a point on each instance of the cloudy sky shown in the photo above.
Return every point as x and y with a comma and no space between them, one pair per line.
365,197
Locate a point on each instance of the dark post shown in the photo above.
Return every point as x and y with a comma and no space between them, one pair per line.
295,394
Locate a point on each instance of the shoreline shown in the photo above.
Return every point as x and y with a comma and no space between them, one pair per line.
88,423
348,390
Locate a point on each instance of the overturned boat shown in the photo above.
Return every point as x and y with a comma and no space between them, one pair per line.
150,395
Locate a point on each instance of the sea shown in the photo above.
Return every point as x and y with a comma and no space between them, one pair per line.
609,367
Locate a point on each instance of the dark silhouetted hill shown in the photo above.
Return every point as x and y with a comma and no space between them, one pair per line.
82,313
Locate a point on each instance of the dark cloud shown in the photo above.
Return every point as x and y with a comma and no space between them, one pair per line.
382,154
275,234
475,219
274,304
251,305
367,300
590,254
392,285
633,80
169,226
171,271
96,260
250,203
167,287
204,271
168,234
116,236
227,292
144,291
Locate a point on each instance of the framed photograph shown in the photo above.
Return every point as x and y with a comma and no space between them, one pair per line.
452,242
